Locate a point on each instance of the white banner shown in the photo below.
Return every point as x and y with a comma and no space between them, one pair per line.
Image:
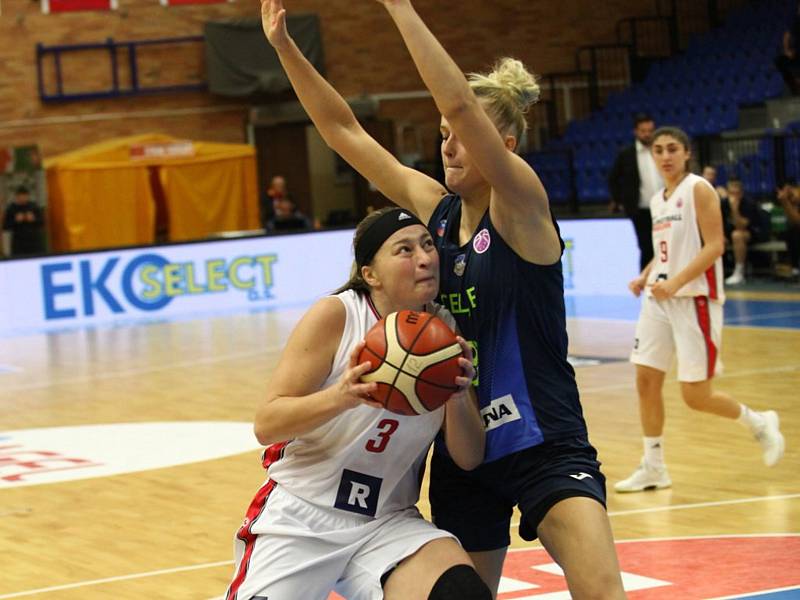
184,280
189,280
600,258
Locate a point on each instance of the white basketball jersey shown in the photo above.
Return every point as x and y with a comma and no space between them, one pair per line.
677,241
365,460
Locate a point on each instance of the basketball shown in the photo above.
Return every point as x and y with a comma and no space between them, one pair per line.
414,360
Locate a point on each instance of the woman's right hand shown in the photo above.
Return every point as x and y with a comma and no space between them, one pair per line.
273,20
350,390
637,285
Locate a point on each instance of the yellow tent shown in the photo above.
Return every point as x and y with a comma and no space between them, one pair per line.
105,195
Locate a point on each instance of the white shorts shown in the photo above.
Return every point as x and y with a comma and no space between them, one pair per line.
688,327
301,550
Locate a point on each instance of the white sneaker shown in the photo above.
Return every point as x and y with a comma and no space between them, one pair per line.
644,477
771,438
735,279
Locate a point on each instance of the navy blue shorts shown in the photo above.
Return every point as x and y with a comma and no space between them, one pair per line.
476,506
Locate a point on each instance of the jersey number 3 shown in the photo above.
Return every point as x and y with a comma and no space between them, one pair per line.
388,427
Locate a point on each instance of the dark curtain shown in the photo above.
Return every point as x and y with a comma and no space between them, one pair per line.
241,62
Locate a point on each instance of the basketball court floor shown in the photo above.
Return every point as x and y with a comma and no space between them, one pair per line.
127,459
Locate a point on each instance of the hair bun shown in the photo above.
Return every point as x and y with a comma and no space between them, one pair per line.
511,74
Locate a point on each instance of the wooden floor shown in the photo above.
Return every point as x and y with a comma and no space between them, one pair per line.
167,533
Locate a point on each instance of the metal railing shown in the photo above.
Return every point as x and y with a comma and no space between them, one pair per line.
693,17
124,69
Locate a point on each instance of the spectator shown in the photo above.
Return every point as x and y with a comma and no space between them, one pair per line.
632,182
286,216
789,198
24,220
710,175
277,189
788,61
743,226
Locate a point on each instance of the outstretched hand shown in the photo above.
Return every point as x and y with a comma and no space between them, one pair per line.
273,21
350,390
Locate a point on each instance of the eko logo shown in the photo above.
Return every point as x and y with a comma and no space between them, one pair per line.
148,282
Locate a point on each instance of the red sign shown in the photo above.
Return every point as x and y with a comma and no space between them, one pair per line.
689,569
179,2
49,6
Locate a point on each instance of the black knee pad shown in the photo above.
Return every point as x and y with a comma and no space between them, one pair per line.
461,582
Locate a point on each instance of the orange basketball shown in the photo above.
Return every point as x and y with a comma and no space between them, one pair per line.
414,358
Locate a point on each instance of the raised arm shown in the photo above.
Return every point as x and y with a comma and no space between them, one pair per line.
518,206
341,130
294,404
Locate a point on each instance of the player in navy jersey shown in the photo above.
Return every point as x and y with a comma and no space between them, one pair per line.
502,280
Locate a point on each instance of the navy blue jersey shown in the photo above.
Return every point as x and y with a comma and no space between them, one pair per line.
512,312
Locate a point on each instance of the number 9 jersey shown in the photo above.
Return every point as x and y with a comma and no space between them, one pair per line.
677,241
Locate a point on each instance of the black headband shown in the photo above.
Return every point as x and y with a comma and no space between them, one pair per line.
378,232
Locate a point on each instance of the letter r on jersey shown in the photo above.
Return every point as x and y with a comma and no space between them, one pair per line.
358,493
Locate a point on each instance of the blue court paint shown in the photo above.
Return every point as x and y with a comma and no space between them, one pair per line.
742,313
793,594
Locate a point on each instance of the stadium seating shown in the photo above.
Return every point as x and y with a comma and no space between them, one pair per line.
700,90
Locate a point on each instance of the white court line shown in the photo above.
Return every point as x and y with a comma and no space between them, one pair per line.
746,373
671,507
230,562
749,594
270,349
738,323
141,371
70,586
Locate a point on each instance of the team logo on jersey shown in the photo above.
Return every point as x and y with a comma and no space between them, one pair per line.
440,228
358,493
679,203
502,410
481,241
460,264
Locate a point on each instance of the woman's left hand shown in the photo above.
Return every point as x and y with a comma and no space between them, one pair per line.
663,289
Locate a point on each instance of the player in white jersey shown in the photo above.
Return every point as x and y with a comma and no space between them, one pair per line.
681,312
337,511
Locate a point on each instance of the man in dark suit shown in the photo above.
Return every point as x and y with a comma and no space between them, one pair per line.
632,182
